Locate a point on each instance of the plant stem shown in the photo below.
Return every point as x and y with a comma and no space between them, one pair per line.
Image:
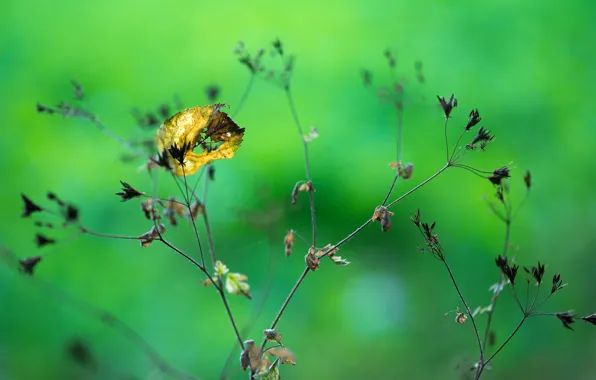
485,363
311,195
247,91
420,185
221,289
468,311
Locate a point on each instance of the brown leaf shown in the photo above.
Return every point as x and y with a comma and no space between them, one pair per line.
285,356
382,215
289,242
148,237
312,261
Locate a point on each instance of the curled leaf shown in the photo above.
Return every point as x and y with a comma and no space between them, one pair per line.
198,127
461,318
312,261
338,260
147,208
289,242
382,215
250,356
284,355
153,234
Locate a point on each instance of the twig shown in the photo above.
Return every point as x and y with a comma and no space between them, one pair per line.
311,195
221,289
245,94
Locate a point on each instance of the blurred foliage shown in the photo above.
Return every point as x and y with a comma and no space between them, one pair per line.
529,68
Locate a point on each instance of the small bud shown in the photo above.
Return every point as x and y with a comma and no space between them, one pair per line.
367,78
566,318
528,180
41,240
29,207
28,265
416,218
272,335
483,137
390,58
128,192
499,175
212,93
395,165
473,119
178,153
447,105
590,318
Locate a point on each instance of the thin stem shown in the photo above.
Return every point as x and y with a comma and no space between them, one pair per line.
222,292
391,188
398,152
468,311
93,118
286,302
446,140
399,132
496,296
109,236
192,218
519,325
452,158
420,185
345,240
311,195
183,254
247,91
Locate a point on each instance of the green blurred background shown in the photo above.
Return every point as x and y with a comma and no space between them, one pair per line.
529,69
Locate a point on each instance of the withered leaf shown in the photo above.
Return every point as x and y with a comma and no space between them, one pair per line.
289,242
199,127
153,234
312,261
284,355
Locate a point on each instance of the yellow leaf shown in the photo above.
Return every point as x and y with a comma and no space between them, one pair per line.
202,128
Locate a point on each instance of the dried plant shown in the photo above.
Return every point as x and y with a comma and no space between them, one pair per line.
191,141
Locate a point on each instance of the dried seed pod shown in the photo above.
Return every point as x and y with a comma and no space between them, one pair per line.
289,242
